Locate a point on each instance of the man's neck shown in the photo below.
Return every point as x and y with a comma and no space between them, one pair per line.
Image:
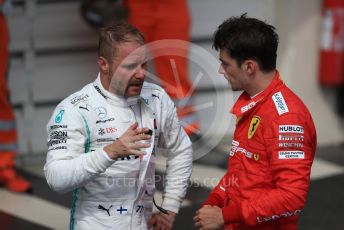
260,82
104,81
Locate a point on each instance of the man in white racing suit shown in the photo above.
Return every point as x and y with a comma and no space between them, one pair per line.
102,142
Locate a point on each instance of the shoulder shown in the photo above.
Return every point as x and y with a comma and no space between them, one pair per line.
289,114
80,97
151,91
152,88
286,102
157,99
69,107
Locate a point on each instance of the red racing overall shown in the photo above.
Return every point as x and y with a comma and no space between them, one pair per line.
272,151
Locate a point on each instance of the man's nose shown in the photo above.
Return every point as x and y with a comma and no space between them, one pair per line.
221,70
140,72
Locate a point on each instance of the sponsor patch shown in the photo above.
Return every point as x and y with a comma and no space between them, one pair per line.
75,100
111,129
58,134
56,142
235,143
59,116
52,127
290,145
104,121
253,126
58,148
290,138
236,149
84,107
100,92
290,129
101,131
101,112
280,104
291,155
104,130
278,216
105,140
248,107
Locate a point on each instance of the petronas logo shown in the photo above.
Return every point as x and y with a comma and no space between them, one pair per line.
59,116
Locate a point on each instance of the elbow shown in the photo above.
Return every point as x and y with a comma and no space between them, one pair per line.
298,198
55,182
56,187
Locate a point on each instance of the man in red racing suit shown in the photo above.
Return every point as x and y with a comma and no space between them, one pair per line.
271,155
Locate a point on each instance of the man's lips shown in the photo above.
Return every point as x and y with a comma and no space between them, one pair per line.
136,85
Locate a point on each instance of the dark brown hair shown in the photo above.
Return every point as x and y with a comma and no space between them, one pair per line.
246,38
111,36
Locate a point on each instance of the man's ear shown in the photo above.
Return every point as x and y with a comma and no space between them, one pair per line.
250,66
103,65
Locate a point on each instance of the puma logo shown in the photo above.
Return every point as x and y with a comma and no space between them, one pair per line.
85,108
107,210
153,95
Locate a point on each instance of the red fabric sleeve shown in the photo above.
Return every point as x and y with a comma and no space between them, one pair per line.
232,213
218,195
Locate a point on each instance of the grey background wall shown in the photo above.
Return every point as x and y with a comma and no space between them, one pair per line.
53,53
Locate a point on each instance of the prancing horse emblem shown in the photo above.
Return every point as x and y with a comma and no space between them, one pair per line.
253,126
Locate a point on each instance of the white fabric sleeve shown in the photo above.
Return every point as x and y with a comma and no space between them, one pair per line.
178,147
70,163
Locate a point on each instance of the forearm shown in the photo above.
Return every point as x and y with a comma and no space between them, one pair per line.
67,174
178,172
282,203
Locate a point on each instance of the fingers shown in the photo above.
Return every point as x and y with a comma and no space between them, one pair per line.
159,222
197,221
198,224
142,131
195,218
137,152
140,145
141,137
133,126
151,222
132,142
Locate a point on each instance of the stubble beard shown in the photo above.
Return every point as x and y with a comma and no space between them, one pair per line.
114,87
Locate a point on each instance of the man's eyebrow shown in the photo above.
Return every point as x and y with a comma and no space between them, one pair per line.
222,60
134,63
130,64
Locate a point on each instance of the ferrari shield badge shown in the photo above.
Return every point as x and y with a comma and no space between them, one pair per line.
253,126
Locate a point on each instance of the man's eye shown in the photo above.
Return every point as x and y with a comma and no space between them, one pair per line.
130,66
